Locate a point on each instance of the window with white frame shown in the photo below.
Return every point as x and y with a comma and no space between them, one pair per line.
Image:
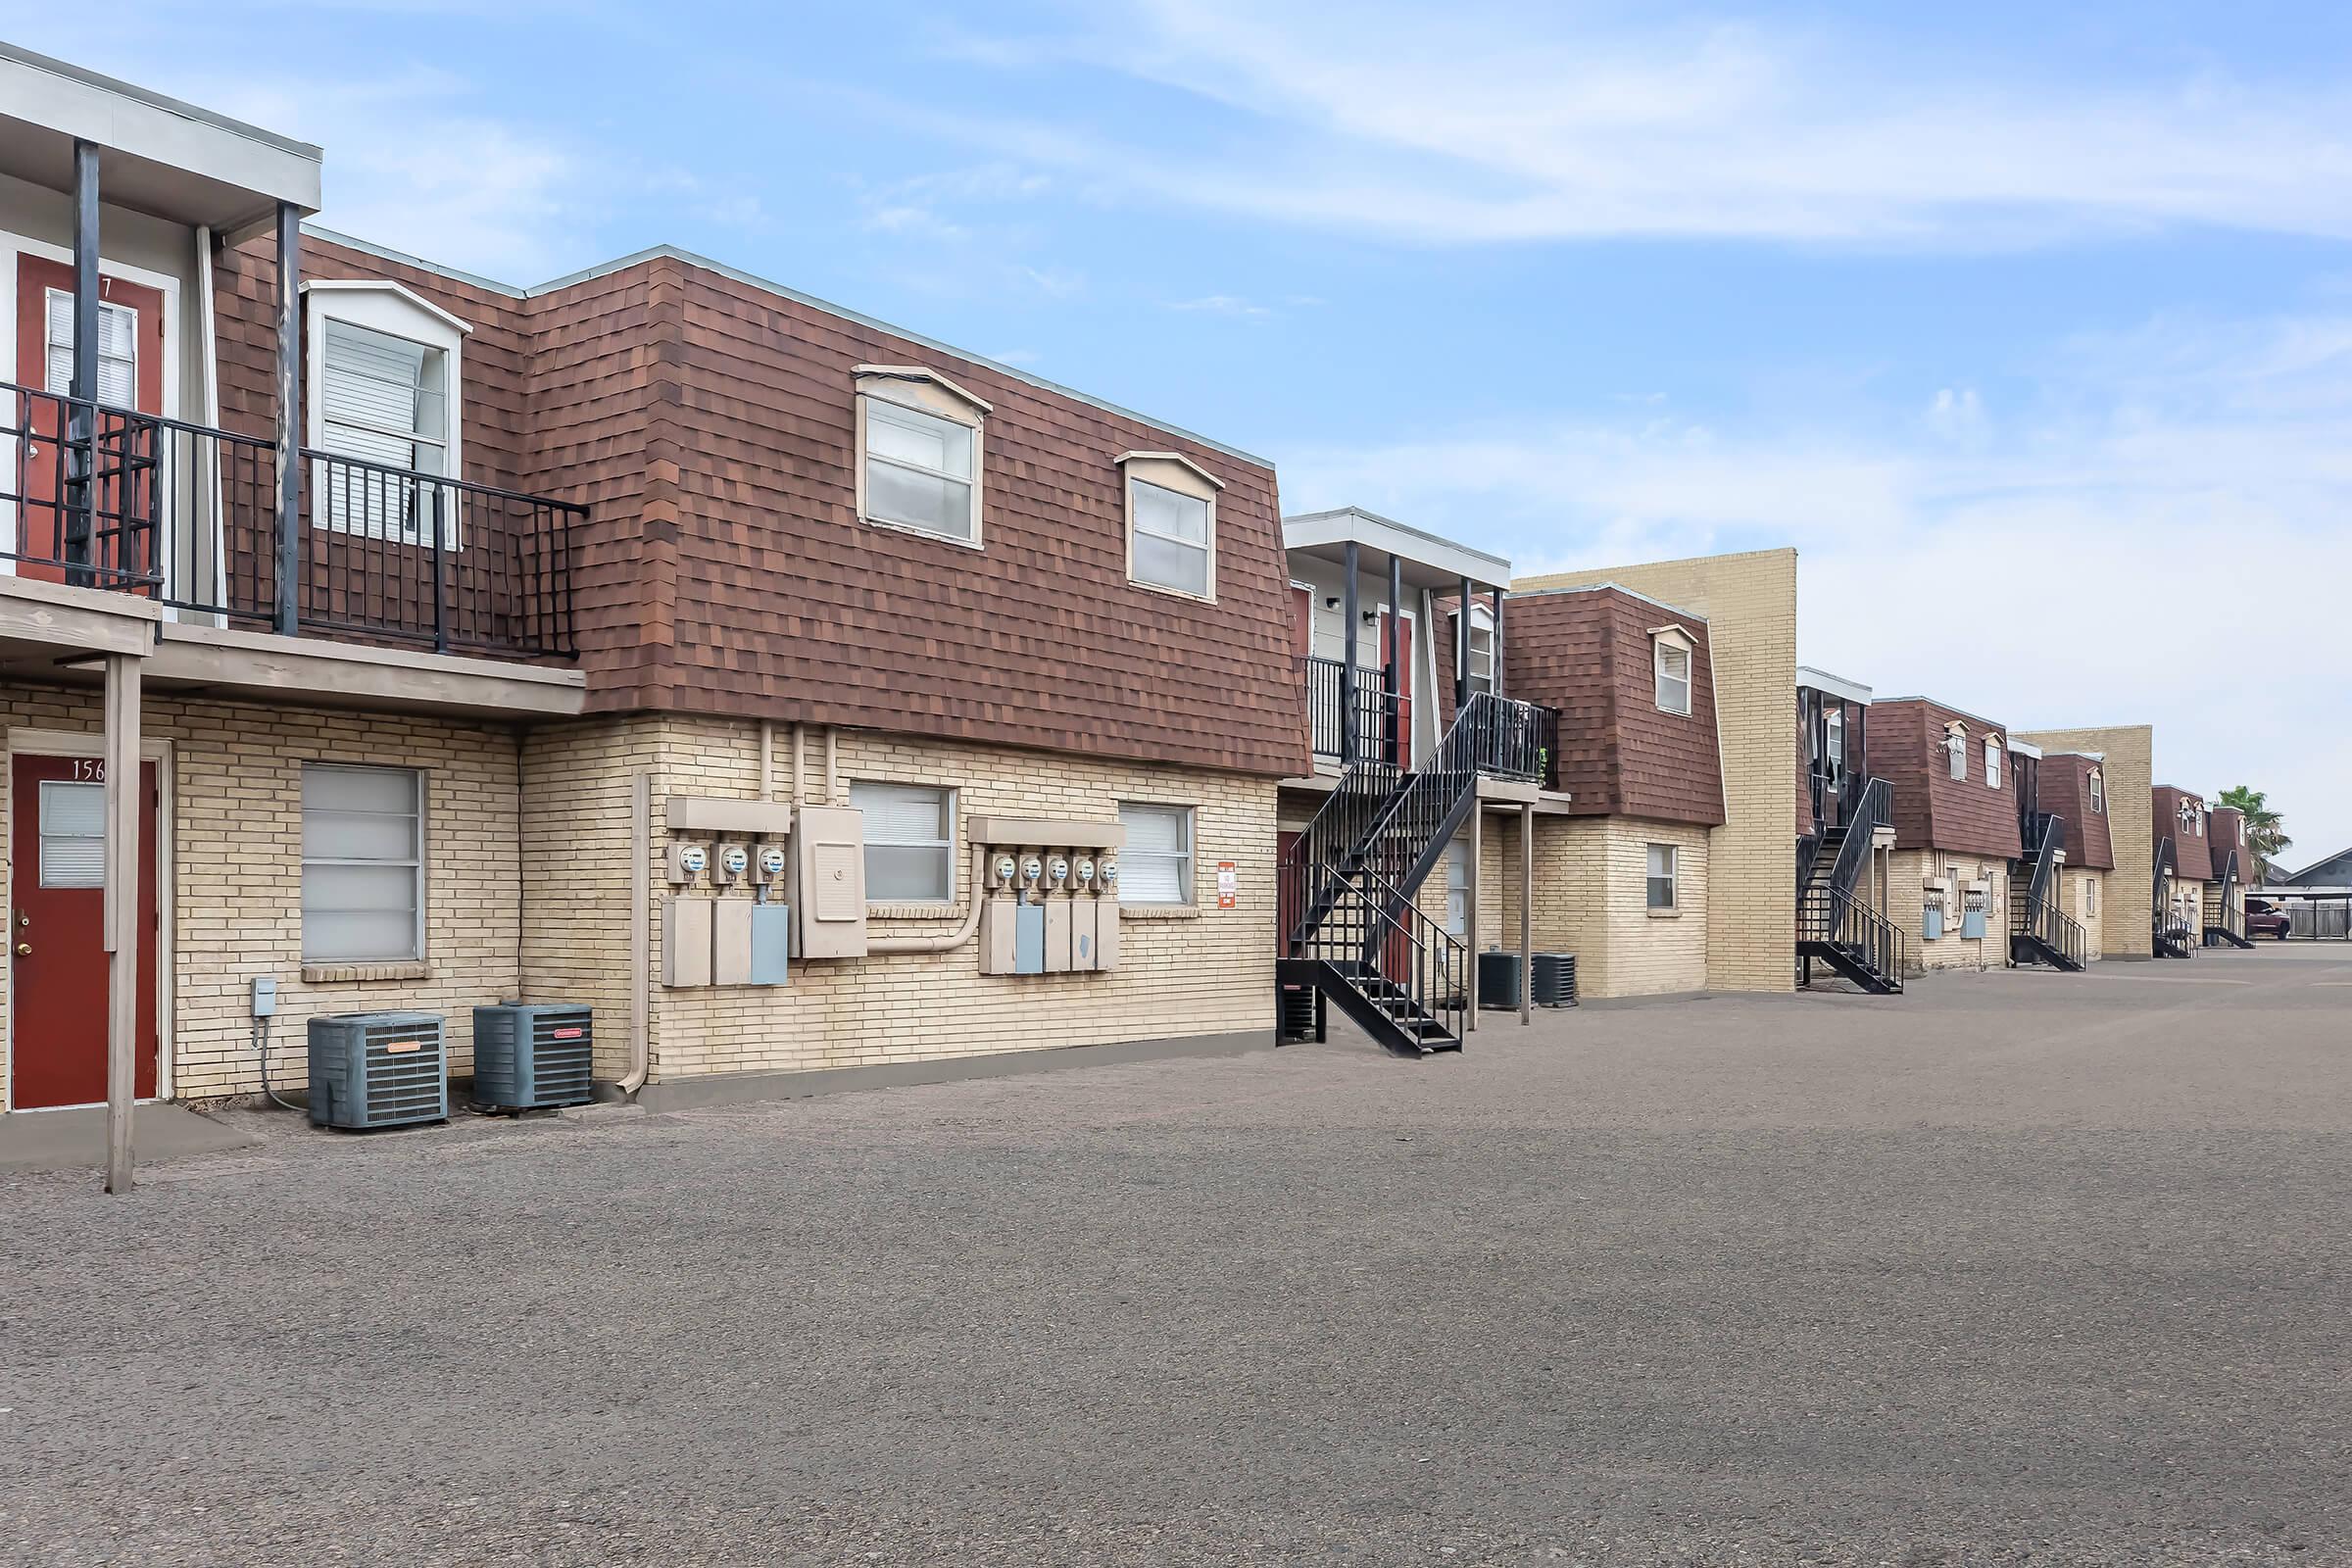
363,864
1662,868
118,349
1171,523
2090,897
1992,760
1155,865
386,370
909,842
1480,667
1834,745
1670,670
2098,794
1955,751
918,455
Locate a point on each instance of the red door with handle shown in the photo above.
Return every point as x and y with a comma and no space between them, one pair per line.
56,942
130,375
1403,682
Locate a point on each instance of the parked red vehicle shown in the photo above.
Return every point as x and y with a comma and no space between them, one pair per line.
2265,919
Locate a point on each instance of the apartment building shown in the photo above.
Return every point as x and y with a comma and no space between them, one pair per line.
2225,901
2123,757
1844,841
797,691
2071,788
1956,831
2183,869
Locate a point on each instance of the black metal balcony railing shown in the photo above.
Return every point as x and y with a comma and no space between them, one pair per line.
101,497
1376,713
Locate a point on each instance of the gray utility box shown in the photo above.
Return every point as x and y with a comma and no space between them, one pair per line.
1498,978
1555,980
379,1069
529,1056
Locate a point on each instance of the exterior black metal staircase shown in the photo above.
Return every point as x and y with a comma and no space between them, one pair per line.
1354,933
1835,926
2230,928
2039,929
2169,933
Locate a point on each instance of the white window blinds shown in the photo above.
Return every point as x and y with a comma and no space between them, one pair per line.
117,350
1172,538
363,864
909,842
1157,864
918,470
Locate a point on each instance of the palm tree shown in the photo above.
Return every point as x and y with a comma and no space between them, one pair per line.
2265,835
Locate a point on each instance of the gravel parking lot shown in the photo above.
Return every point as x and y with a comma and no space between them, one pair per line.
2019,1268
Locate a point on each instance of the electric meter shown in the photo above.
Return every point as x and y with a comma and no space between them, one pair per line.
733,861
688,861
1110,873
1086,872
1031,869
771,861
1057,870
1005,869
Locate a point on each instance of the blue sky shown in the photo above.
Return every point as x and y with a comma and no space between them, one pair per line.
1975,306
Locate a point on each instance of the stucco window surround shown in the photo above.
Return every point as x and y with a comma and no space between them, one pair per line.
1672,668
1955,750
385,376
1172,524
921,464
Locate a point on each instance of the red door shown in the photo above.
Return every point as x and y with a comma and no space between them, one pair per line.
1288,898
1404,691
57,856
1302,621
130,375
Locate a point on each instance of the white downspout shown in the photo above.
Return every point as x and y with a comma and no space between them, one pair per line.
641,955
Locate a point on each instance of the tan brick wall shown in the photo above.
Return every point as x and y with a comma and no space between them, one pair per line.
1750,603
1591,899
2129,768
233,846
1205,971
2078,898
1909,870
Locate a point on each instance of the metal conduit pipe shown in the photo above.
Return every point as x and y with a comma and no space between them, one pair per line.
767,758
832,767
955,939
800,761
641,947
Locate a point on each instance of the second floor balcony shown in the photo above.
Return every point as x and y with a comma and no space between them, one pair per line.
201,520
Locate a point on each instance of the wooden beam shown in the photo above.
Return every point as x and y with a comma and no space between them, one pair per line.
121,913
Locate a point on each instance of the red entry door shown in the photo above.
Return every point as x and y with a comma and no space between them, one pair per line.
131,374
1404,681
57,941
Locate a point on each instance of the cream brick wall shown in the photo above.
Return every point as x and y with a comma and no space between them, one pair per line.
1750,603
1591,888
1908,872
2078,899
2129,768
1203,970
233,846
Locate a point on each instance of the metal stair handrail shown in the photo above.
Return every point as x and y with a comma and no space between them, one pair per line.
1873,810
1828,914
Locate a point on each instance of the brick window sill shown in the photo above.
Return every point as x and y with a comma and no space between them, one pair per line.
328,974
914,912
1160,912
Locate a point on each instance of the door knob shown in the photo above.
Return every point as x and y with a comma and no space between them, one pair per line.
24,950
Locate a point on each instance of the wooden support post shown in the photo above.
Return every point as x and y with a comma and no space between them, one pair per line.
289,419
120,918
1470,914
1349,740
1527,908
1400,744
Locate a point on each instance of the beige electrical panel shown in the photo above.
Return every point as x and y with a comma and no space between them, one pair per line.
1057,934
829,863
1107,933
686,942
997,922
731,942
1082,932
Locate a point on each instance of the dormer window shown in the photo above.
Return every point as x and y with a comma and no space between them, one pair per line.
1669,669
1171,523
1992,760
2098,794
386,388
1481,668
1955,751
919,452
1834,745
2189,818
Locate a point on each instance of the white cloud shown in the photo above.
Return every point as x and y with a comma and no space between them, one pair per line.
1222,305
1487,122
2161,541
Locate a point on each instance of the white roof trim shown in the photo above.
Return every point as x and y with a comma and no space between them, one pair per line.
919,372
374,285
2025,748
1821,681
1173,456
1675,629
